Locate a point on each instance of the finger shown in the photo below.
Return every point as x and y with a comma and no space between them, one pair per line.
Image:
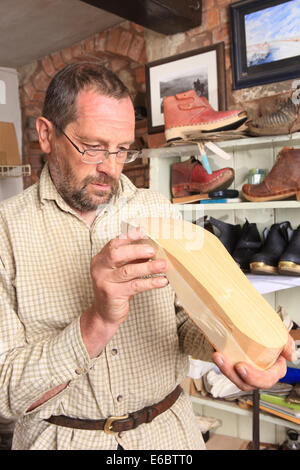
289,351
135,286
122,255
262,379
134,233
227,368
141,285
137,270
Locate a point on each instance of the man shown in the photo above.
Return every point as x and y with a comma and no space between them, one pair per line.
90,328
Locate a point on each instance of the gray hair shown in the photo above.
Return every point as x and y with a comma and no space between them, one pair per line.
60,101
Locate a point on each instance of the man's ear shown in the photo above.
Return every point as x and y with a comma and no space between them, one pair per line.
45,130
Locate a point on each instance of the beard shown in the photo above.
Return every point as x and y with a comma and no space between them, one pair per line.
74,191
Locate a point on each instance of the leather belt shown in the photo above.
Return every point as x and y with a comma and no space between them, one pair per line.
115,424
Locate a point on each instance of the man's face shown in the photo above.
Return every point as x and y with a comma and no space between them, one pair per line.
101,122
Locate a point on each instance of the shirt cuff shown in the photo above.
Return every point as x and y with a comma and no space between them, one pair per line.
68,357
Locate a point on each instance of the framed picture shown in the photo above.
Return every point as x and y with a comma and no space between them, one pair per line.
265,41
201,69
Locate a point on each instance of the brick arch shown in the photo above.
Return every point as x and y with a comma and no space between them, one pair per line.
121,49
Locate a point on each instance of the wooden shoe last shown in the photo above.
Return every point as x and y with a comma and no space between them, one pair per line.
215,293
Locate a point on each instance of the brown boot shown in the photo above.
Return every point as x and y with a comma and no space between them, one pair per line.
285,120
282,182
190,177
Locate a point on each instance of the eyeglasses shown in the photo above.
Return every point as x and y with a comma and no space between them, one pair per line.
94,156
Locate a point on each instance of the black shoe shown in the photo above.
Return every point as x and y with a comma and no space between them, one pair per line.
289,262
229,233
247,246
205,223
276,240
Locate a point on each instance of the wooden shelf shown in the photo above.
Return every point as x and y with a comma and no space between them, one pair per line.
245,153
236,409
273,283
287,204
253,142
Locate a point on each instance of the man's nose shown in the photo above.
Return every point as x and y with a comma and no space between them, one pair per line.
109,165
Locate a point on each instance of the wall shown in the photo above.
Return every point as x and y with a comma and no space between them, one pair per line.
10,111
126,49
121,49
215,28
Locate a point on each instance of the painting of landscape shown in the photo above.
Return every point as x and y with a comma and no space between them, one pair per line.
273,34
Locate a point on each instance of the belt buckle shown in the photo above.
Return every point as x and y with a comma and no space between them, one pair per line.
109,422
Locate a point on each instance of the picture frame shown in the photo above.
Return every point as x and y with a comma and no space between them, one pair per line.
264,41
202,69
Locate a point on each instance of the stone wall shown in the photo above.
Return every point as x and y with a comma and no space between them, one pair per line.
126,49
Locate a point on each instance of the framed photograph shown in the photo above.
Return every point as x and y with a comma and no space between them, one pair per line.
202,70
265,41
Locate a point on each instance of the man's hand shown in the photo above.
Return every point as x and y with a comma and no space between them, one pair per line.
119,272
247,377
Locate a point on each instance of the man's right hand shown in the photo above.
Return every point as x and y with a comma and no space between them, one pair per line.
118,272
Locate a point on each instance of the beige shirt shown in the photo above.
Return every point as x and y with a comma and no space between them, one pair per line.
45,285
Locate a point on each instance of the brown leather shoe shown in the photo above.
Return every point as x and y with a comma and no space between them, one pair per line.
190,177
282,182
285,120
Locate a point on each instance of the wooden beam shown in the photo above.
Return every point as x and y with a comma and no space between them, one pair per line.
162,16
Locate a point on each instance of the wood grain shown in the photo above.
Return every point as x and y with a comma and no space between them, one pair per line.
215,293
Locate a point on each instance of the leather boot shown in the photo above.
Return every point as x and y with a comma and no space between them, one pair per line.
191,177
289,262
283,121
276,240
247,246
229,233
187,113
282,182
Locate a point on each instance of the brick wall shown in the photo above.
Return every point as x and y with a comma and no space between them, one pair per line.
126,49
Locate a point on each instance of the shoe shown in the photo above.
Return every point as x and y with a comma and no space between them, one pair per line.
289,262
284,121
191,177
247,246
229,233
187,113
282,182
276,240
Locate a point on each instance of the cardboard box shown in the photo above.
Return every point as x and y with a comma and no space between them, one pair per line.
9,150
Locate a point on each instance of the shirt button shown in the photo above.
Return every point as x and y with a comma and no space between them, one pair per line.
119,398
114,351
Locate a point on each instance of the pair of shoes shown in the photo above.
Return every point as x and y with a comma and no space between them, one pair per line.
282,182
186,114
241,242
280,253
275,243
277,253
191,177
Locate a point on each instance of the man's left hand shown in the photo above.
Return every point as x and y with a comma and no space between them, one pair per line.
247,377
